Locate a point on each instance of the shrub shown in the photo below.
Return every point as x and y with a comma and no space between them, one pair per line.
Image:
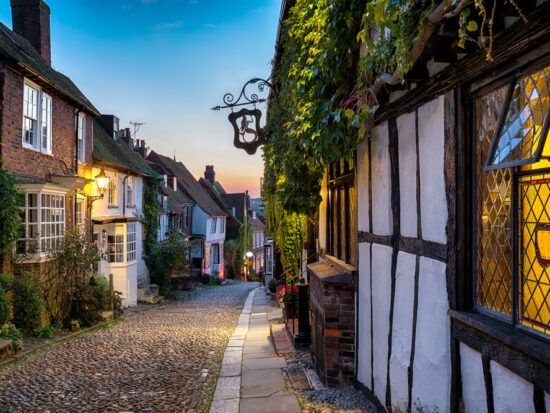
230,272
10,332
4,310
102,284
215,279
45,332
28,303
89,300
166,258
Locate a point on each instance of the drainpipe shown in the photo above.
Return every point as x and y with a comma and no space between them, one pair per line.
77,114
124,194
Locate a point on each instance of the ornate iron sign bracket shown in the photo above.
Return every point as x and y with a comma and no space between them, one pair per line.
247,132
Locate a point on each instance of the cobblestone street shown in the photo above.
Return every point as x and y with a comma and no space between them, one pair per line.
164,359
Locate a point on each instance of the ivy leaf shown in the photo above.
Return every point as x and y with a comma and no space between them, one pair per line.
349,113
472,26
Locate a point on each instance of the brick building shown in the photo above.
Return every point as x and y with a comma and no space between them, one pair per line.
46,132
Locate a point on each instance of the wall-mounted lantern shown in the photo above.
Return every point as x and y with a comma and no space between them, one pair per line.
102,182
247,132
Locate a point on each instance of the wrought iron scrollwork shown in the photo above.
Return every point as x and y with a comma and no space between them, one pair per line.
249,124
246,98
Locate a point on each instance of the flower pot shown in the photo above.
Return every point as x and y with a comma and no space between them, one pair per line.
290,309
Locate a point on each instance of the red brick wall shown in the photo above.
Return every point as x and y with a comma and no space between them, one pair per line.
31,19
336,303
29,163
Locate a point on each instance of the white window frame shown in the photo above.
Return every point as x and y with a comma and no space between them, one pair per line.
115,245
38,110
112,190
80,214
222,226
46,124
81,137
130,191
213,226
43,222
131,242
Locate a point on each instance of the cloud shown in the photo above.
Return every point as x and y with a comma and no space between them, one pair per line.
169,25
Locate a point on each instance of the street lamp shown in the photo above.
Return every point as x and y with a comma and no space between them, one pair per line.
249,255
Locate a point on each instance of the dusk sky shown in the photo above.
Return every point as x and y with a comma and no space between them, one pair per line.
166,63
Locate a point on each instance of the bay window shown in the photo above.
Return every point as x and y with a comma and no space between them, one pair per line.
512,200
43,223
115,245
37,119
130,242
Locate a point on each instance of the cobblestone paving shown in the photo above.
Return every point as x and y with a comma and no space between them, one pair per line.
152,361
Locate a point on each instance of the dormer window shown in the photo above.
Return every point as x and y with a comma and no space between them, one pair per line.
37,119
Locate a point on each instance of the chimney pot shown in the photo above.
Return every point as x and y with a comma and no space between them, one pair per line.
31,20
209,174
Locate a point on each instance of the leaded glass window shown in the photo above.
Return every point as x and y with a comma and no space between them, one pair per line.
511,147
524,123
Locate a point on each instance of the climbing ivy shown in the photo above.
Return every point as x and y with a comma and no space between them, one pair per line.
149,216
334,58
10,202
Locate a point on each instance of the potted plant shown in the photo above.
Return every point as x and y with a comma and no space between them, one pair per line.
289,297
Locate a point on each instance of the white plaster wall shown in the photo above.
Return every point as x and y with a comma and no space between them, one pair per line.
431,143
381,300
473,381
432,360
199,220
406,127
363,187
511,393
364,349
381,182
402,330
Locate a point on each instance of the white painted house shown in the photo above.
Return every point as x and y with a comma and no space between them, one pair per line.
208,220
115,215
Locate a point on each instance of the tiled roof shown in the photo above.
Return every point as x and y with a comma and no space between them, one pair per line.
238,201
188,182
216,196
18,50
106,149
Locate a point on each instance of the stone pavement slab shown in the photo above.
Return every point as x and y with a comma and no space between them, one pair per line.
273,404
250,361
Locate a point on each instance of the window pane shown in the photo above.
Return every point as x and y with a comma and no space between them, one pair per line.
534,290
494,227
521,132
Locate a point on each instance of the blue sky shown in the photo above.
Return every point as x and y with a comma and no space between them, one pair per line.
166,62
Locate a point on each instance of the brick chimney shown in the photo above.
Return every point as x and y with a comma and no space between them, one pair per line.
141,148
209,174
31,19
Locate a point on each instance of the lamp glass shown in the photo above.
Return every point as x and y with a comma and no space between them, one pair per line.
249,254
102,180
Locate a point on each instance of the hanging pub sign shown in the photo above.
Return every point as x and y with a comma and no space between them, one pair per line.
247,131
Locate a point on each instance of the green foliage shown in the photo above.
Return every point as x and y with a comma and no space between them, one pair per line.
149,215
273,284
65,282
90,299
28,302
4,309
10,202
314,77
44,332
166,258
10,332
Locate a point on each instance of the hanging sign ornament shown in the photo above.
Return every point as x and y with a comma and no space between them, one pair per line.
247,132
